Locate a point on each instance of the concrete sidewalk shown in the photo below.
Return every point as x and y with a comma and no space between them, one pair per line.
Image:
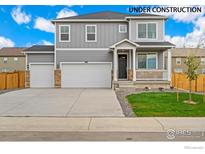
100,124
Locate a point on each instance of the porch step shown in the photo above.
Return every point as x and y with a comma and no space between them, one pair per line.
142,84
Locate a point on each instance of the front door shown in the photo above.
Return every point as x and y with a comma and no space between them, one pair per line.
122,66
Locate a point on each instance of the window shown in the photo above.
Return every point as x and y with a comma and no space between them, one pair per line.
203,70
178,70
15,59
202,61
123,28
142,31
147,61
5,60
152,31
91,33
147,30
178,61
64,33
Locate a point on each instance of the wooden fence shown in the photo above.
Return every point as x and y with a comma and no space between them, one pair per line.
12,80
179,80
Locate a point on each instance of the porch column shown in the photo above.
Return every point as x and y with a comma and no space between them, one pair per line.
115,65
169,65
133,66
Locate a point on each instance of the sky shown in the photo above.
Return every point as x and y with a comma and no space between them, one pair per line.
24,26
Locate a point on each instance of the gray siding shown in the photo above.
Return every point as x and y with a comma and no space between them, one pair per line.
83,55
40,58
107,35
134,30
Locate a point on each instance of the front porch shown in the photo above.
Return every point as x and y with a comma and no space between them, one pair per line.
135,64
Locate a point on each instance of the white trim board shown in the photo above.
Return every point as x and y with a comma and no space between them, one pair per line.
39,52
69,38
91,20
146,23
86,33
120,25
82,49
39,64
61,63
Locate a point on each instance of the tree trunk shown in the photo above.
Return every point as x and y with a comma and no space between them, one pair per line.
190,99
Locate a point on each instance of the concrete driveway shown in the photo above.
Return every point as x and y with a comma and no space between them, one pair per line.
61,102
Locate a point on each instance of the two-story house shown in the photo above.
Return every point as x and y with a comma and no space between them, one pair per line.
12,59
101,49
179,56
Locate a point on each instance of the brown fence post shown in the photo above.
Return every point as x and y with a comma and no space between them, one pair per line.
196,85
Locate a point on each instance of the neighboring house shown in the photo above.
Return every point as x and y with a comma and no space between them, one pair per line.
179,56
12,59
99,49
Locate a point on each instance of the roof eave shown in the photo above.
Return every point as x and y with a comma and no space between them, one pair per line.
88,20
146,17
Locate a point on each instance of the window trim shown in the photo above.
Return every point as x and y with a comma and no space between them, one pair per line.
202,60
137,26
86,40
203,70
120,25
180,61
15,60
5,61
156,53
69,38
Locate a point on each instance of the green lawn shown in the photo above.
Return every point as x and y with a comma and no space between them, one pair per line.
164,104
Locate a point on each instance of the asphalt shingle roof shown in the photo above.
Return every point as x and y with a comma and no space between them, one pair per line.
155,43
107,15
41,48
184,52
12,51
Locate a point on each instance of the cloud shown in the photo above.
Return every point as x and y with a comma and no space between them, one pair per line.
66,13
20,16
200,22
44,25
5,42
192,39
44,42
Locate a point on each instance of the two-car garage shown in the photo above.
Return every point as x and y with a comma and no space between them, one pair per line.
73,75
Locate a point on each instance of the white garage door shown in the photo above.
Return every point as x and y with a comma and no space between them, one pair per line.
41,75
86,75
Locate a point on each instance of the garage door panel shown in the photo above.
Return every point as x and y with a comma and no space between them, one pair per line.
86,75
41,76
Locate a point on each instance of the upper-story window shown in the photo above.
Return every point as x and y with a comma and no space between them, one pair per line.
123,28
64,33
202,61
15,59
5,60
91,33
178,61
147,30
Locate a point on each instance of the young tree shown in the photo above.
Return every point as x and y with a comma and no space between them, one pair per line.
192,65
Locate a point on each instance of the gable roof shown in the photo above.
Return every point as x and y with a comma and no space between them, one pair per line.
99,15
12,51
108,15
41,48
